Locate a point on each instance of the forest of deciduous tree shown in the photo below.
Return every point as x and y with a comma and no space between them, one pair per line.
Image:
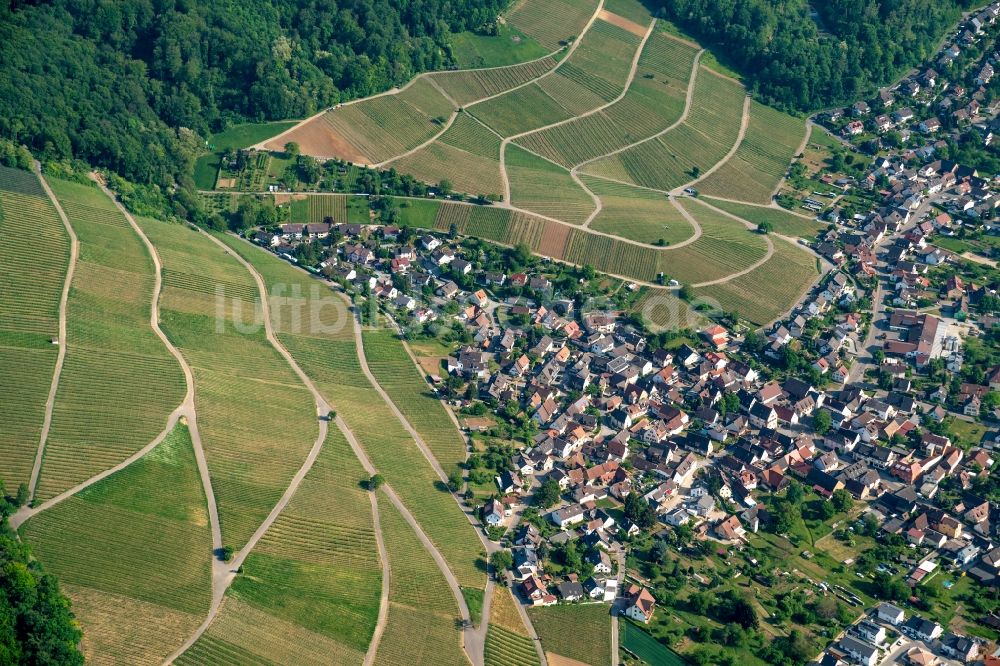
136,85
805,56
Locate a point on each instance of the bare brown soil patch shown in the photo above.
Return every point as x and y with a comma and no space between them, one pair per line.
622,22
554,239
431,365
226,183
315,137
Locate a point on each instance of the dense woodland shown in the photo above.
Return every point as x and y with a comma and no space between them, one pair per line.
805,56
36,625
113,81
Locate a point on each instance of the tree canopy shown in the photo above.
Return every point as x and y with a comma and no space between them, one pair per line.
136,85
811,55
36,624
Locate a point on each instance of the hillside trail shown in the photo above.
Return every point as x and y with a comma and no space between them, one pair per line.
50,402
224,573
475,635
633,68
383,605
470,643
262,145
184,412
744,122
688,101
454,115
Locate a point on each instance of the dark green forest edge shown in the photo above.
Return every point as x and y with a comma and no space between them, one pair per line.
136,86
36,624
805,56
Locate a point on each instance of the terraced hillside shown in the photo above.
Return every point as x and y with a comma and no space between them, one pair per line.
119,383
209,309
423,615
133,553
310,589
402,380
592,136
29,317
325,348
508,642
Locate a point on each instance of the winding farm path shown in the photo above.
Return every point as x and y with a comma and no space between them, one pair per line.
475,636
185,411
74,253
688,100
744,122
625,88
451,118
383,605
473,642
224,573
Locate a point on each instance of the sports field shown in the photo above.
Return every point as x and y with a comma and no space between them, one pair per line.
133,553
119,383
29,317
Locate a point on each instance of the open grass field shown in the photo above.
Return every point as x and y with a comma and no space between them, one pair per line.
660,309
256,419
326,351
594,75
637,214
206,167
29,317
507,640
423,613
119,383
693,147
405,384
315,574
551,23
761,161
783,222
383,127
577,631
467,155
647,648
133,552
770,290
653,102
545,188
467,86
419,213
509,46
